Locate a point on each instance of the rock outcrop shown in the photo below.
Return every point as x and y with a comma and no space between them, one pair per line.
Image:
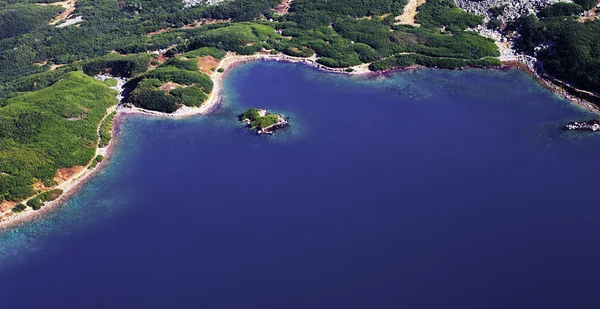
274,127
592,125
190,3
513,9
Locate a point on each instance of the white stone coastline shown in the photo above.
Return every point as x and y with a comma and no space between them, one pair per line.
513,10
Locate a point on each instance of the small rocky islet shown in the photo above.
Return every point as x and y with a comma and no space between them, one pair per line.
590,125
262,121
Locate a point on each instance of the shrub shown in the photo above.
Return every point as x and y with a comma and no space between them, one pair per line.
19,208
106,129
176,75
155,100
16,20
402,61
36,203
587,4
561,9
110,82
494,24
118,65
206,51
97,159
498,10
51,195
190,96
188,65
445,13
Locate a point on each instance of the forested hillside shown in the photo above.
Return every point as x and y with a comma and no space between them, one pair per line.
568,48
46,130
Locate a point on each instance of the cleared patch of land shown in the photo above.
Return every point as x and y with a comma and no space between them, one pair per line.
168,86
207,64
590,15
283,7
410,11
65,174
69,9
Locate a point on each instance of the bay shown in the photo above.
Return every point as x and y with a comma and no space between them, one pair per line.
421,189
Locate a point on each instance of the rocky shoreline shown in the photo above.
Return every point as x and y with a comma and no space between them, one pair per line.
590,126
272,128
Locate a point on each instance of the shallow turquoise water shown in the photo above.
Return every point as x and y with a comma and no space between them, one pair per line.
426,189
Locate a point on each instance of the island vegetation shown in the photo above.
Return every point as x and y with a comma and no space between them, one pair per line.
262,121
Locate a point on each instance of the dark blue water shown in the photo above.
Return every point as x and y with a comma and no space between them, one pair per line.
432,189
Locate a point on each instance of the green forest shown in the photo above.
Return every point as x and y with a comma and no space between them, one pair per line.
572,47
50,129
191,87
341,32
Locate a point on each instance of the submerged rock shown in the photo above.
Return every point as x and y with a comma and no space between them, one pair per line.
262,121
591,125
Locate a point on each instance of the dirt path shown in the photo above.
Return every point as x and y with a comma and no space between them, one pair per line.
69,6
410,11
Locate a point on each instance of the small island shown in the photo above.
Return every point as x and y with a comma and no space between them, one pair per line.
591,125
262,121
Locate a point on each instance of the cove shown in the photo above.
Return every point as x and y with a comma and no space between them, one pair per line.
424,189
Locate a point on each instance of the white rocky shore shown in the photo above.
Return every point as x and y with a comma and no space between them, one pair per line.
592,125
513,9
190,3
120,87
